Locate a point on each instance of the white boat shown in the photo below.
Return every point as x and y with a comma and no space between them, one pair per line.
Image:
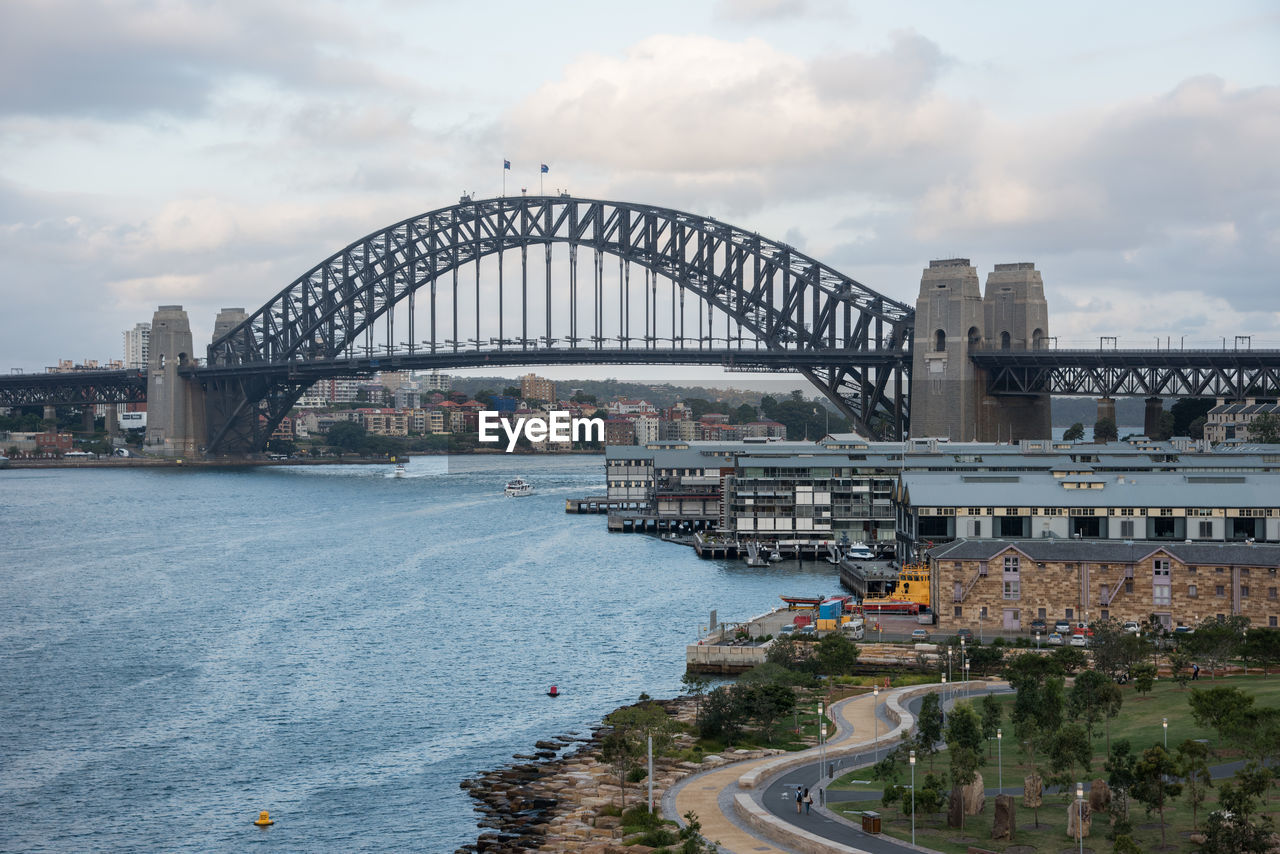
860,551
518,488
398,471
775,556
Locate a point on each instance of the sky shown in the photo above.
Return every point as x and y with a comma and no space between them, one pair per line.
208,153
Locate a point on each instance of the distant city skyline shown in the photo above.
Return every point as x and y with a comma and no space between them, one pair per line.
208,155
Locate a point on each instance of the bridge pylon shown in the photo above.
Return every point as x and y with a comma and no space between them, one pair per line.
175,404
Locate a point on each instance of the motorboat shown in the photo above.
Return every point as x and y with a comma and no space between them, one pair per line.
860,551
398,471
518,488
775,556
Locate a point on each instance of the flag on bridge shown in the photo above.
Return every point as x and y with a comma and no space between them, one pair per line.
545,169
506,164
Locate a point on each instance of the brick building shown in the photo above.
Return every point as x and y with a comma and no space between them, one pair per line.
1002,585
534,387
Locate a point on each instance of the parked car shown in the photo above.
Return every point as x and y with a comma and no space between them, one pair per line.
787,629
1131,627
919,635
1079,640
1062,627
1055,639
1039,626
965,634
807,631
1184,630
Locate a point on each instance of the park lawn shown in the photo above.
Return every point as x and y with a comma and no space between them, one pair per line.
1139,721
1051,836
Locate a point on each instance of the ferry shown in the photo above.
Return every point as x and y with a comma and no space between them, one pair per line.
910,594
518,488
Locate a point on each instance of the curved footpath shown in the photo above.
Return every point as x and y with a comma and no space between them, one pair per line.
748,807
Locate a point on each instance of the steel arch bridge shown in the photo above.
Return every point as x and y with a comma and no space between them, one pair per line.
704,293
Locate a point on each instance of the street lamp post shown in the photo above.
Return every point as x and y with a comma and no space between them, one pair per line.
1000,756
966,677
875,703
912,760
1080,815
822,742
1164,722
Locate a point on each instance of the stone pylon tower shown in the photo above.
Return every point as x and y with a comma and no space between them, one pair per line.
946,391
228,319
175,405
1017,318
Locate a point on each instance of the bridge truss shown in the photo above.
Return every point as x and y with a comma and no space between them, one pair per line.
74,388
1230,374
632,284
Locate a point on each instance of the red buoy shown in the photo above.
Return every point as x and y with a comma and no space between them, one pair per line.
554,692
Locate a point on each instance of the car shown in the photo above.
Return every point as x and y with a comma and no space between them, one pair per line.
964,634
1131,627
787,629
919,635
807,631
1039,626
1055,639
1184,630
1079,640
1062,627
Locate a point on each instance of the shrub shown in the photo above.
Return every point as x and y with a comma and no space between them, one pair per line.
640,818
635,775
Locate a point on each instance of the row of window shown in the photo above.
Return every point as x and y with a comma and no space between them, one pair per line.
1273,621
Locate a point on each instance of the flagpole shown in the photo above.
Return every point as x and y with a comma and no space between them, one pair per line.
504,179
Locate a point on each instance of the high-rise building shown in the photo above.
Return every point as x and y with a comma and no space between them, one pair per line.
137,345
435,381
534,387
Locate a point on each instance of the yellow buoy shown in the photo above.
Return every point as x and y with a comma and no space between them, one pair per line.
264,819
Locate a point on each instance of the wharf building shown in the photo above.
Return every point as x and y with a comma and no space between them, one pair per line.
1234,422
1003,585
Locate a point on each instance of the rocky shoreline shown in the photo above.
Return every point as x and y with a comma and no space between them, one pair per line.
557,799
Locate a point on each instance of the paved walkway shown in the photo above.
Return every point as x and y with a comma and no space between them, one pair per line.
717,796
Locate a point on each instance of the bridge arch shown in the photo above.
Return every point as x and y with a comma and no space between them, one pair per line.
757,297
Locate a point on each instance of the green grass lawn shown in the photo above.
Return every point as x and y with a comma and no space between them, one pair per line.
1139,721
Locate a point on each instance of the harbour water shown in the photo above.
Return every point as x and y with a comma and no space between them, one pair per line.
180,649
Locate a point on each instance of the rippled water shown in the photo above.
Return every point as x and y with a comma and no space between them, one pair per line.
180,649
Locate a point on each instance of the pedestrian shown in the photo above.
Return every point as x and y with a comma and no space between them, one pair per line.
1195,672
799,800
808,801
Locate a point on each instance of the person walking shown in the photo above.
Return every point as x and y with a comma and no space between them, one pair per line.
1195,672
808,801
799,800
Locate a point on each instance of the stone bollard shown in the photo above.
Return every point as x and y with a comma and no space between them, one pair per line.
1074,819
1005,821
975,797
1099,796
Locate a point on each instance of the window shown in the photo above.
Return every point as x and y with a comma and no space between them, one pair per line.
1244,591
1191,591
982,612
1012,589
1128,587
1070,613
957,611
1271,622
976,527
1271,593
1011,563
1160,567
1106,615
1191,570
1041,613
1219,590
939,341
1206,529
1160,594
1126,528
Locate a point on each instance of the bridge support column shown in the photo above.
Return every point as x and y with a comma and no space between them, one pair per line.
111,421
946,388
51,413
1107,408
175,404
1151,418
86,419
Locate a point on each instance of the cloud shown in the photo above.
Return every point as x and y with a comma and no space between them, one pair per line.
117,59
773,11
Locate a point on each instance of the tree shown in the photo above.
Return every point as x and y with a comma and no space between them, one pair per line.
1144,677
1232,829
1071,659
1215,642
1074,433
1104,430
1217,707
1186,411
1180,664
1120,777
347,435
929,726
1263,646
695,685
627,739
1265,429
744,414
722,716
1153,786
964,743
837,655
1094,697
1193,766
787,652
1114,650
1068,747
1038,704
991,719
766,704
